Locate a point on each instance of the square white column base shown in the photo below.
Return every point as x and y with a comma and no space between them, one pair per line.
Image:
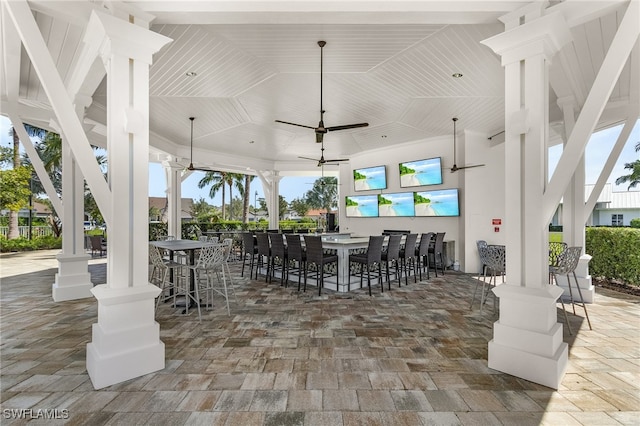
586,287
73,280
527,339
126,340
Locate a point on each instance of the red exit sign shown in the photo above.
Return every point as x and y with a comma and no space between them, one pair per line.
496,221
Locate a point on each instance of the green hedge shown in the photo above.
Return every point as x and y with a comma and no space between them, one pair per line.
615,253
37,243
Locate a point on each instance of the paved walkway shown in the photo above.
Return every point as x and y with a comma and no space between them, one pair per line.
413,355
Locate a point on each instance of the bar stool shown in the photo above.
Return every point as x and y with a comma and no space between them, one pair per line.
436,250
279,253
392,255
249,248
408,255
316,256
422,253
373,256
264,251
296,255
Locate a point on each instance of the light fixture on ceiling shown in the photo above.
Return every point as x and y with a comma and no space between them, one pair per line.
191,73
383,136
456,75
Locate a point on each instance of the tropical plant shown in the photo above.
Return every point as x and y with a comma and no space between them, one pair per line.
300,206
16,163
246,197
323,194
634,177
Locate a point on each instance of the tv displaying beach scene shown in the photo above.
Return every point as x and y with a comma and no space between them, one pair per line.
443,202
370,178
361,205
398,204
421,172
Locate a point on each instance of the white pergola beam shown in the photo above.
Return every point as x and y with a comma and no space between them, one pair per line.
603,85
35,46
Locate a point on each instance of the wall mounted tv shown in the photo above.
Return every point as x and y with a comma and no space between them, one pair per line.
421,172
361,205
370,178
443,202
398,204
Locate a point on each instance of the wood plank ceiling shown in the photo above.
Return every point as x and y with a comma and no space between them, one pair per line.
395,76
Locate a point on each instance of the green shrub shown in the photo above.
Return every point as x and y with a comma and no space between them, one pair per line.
635,223
615,253
23,244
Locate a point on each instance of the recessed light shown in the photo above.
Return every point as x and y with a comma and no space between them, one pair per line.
383,136
456,75
191,74
251,141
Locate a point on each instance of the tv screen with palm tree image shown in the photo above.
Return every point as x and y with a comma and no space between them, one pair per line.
370,178
443,202
421,172
361,205
398,204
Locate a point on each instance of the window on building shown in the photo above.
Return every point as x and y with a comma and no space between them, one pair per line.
616,220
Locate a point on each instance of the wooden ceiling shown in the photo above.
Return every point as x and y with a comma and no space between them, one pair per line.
390,64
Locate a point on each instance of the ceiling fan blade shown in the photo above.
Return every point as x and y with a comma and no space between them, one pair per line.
309,158
295,124
346,126
456,168
336,160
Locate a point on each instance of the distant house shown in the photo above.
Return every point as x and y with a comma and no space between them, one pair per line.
612,208
257,215
39,210
161,204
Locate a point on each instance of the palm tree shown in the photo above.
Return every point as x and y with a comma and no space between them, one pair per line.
246,196
634,177
217,180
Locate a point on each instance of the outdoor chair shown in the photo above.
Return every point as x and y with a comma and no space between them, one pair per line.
567,263
408,256
297,256
264,254
392,255
494,257
422,253
278,256
161,271
370,259
436,251
97,245
250,249
318,258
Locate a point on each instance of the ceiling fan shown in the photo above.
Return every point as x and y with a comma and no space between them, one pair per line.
455,167
321,129
322,161
190,167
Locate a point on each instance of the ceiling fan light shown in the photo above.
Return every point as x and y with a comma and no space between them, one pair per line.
456,75
191,73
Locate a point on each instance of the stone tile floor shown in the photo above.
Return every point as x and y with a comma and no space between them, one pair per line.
413,355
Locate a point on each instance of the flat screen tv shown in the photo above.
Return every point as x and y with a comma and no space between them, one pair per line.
398,204
370,178
421,172
361,205
443,202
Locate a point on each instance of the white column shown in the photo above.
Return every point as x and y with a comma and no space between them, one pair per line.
573,213
126,339
271,189
73,280
527,340
174,198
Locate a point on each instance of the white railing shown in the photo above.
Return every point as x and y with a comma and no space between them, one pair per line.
36,231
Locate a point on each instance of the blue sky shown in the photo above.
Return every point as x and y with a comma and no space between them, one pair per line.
293,187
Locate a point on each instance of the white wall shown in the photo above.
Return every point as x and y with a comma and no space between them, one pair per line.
391,157
483,198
